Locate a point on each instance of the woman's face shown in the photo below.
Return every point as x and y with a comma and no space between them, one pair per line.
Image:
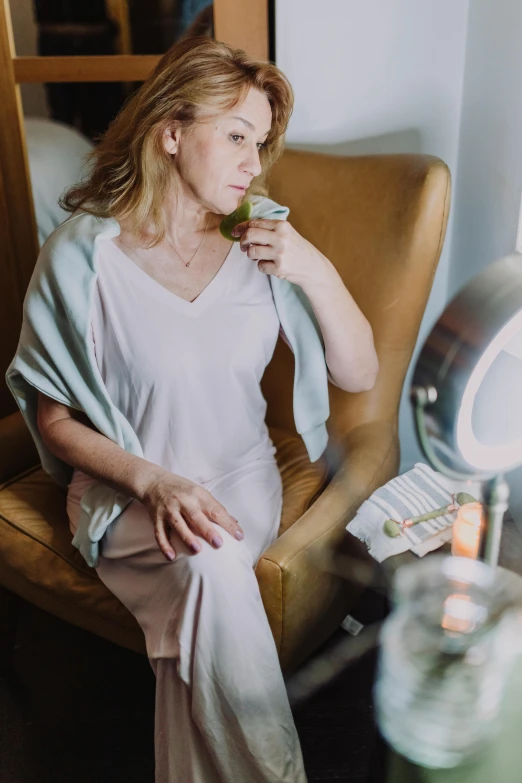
215,156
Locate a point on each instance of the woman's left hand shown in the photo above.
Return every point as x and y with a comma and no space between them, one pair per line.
281,251
349,348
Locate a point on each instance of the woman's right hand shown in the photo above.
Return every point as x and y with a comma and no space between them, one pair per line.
178,508
182,510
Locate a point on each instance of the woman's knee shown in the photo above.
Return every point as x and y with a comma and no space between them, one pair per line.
228,561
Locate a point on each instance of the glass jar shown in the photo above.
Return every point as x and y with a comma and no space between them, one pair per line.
447,650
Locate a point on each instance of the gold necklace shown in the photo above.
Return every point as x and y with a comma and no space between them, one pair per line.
188,263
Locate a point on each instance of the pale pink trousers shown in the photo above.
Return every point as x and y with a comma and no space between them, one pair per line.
222,712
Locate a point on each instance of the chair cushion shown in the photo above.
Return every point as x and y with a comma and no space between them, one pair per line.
303,481
36,549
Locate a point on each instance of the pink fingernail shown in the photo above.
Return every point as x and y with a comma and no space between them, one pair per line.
217,541
239,535
171,555
195,546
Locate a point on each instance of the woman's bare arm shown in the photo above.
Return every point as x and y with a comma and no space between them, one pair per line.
350,352
175,504
71,437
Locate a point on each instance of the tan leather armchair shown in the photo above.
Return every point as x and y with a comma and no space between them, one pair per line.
381,220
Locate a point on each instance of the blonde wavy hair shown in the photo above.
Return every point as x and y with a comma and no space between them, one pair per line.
198,78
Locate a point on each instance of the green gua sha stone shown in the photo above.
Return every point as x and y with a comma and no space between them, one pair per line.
239,215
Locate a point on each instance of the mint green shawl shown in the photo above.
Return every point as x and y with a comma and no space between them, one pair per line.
55,356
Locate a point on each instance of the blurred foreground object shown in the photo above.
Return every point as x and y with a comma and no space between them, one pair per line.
448,652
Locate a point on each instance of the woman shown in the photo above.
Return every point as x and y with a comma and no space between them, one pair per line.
146,334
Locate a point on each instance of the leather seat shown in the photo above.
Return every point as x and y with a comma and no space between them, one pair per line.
36,549
381,221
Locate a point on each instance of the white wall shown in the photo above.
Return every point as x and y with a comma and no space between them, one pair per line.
374,76
489,187
489,179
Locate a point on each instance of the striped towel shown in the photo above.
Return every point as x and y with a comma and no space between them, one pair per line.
416,492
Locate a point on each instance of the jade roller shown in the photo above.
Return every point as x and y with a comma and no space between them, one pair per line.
394,529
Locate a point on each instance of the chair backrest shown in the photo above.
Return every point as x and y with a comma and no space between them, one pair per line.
381,221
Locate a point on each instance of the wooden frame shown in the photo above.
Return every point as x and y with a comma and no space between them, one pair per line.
102,68
241,24
118,11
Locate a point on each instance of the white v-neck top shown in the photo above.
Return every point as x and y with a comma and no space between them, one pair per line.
187,375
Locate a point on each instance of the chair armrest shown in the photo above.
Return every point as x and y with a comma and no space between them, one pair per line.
17,450
304,603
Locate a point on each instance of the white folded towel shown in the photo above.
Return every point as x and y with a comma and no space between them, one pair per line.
416,492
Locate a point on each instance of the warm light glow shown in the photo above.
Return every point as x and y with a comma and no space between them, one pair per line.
462,614
458,614
477,454
467,530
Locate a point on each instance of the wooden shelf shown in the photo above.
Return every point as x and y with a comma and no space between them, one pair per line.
102,68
